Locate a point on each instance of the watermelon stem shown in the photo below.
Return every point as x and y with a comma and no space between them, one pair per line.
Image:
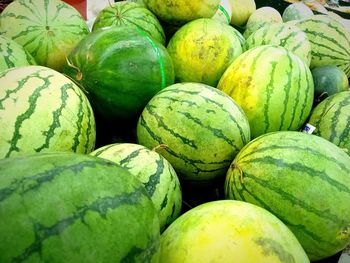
236,166
160,146
79,75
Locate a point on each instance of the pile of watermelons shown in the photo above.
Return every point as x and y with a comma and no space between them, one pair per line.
174,131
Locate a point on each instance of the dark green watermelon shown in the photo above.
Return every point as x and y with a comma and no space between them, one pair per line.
121,69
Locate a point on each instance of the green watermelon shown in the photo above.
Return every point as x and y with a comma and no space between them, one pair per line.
156,174
303,180
13,55
179,12
66,207
130,14
47,29
121,69
330,42
43,111
230,231
332,119
273,86
260,17
328,80
202,50
290,37
202,128
296,11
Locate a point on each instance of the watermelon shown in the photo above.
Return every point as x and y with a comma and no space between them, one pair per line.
121,69
302,179
130,14
13,55
43,111
202,128
260,17
330,42
296,11
230,231
156,174
273,86
289,37
47,29
332,119
179,12
66,207
224,12
241,11
202,49
328,80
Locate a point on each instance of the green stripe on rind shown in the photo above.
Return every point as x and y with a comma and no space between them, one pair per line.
155,173
227,16
26,22
187,149
80,210
100,206
330,41
26,115
274,168
160,58
332,121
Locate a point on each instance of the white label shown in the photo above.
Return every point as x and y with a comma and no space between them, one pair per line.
309,128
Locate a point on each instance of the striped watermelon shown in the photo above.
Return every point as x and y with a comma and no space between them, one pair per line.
121,68
47,29
328,80
289,37
179,12
156,174
273,86
303,180
230,231
296,11
332,119
260,17
202,49
40,111
203,129
130,14
13,55
65,207
330,42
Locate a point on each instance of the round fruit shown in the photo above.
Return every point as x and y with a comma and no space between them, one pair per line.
290,37
202,128
47,29
230,231
332,121
130,14
156,174
182,11
13,55
330,42
304,181
121,69
65,207
273,86
41,110
202,50
296,11
329,80
263,16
